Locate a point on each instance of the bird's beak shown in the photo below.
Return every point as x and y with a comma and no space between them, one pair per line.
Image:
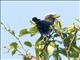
55,16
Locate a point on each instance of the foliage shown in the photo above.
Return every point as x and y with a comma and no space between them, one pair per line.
46,47
27,43
23,32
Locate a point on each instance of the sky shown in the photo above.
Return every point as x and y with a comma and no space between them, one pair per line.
17,15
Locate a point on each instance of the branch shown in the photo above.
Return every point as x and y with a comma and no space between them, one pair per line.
70,44
27,54
15,37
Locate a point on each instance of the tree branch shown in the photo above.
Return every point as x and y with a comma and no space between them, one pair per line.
70,44
15,37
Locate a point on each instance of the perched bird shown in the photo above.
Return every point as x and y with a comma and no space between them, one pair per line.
44,25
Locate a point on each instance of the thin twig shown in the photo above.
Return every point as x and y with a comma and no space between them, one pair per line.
20,52
19,43
15,37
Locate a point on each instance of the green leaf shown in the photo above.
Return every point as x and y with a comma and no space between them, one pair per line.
13,52
51,47
14,45
45,55
33,30
66,41
76,49
55,55
78,27
37,47
74,53
71,28
64,35
62,51
26,58
76,18
23,32
27,43
74,58
53,44
32,22
58,24
11,31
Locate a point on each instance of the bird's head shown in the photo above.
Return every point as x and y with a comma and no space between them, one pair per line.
35,19
51,17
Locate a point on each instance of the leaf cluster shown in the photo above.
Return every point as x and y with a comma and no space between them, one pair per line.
47,47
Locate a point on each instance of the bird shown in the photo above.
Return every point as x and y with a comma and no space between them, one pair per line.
44,25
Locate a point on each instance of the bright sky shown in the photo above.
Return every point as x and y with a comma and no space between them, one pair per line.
17,15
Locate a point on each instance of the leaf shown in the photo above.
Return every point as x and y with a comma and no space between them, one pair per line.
33,30
52,44
66,41
71,28
38,42
58,24
74,53
74,58
13,52
45,55
26,58
76,49
27,43
62,51
55,55
32,22
51,47
64,35
14,45
37,47
11,31
76,18
23,32
78,27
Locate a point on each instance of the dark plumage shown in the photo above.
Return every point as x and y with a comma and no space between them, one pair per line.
43,26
